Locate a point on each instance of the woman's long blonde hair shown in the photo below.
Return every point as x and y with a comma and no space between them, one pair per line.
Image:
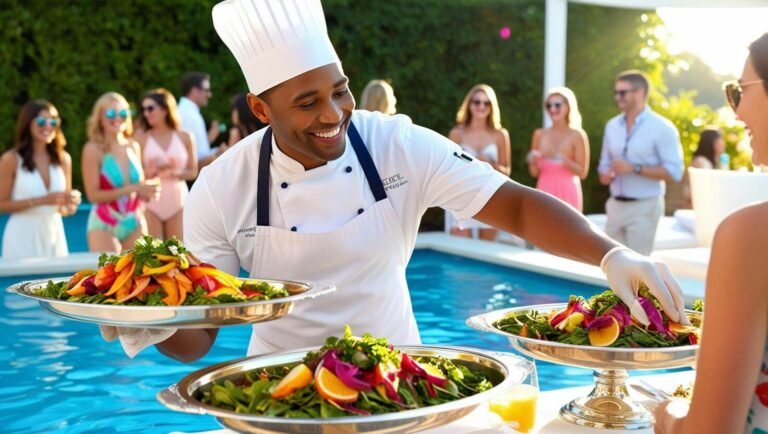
93,125
378,96
574,116
464,115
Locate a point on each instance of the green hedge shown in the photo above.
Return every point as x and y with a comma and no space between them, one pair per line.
432,51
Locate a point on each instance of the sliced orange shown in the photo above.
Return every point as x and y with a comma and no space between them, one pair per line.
680,328
330,387
605,336
299,377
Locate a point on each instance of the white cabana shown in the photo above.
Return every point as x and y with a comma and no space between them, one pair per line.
557,23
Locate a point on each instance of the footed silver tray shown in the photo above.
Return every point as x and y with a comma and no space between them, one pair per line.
181,317
609,404
504,370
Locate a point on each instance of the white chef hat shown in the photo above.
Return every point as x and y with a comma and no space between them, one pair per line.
274,40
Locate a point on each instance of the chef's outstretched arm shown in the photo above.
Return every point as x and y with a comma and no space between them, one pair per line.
546,222
557,228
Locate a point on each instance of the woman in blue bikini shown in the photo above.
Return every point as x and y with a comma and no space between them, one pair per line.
113,178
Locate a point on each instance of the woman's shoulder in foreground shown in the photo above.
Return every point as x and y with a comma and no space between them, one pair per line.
745,231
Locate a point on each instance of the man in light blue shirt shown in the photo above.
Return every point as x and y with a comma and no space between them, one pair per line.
641,152
196,91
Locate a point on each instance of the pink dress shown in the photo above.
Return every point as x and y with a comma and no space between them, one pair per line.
174,190
559,181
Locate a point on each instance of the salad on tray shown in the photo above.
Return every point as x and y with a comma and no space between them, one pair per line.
157,273
604,321
347,376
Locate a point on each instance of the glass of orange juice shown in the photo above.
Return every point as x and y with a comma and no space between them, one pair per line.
517,405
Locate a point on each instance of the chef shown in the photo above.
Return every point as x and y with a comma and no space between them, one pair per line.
334,196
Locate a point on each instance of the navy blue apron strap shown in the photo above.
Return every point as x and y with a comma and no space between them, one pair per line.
262,186
366,162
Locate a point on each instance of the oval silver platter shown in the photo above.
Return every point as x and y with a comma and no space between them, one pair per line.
182,317
583,355
504,370
609,405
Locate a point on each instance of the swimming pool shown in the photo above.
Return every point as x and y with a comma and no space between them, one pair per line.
59,376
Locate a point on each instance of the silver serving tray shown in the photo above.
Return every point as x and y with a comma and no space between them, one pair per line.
182,317
586,356
506,370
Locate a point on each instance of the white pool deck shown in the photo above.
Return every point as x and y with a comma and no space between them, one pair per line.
687,264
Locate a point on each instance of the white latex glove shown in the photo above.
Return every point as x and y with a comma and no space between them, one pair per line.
625,269
135,340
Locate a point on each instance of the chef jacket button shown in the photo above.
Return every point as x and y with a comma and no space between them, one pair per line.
348,169
284,185
360,211
294,229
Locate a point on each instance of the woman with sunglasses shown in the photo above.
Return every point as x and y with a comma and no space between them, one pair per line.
559,155
36,185
731,390
113,178
166,150
479,132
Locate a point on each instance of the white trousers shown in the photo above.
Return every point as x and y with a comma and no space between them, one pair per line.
634,223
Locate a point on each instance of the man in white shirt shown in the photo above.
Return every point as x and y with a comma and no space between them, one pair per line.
334,196
641,152
196,91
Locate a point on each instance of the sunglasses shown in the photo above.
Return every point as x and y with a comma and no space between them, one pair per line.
112,113
622,92
41,121
733,91
554,105
481,103
148,108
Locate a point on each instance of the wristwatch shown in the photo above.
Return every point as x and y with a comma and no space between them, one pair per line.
638,168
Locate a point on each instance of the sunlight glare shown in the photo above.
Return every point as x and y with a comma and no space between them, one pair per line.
718,36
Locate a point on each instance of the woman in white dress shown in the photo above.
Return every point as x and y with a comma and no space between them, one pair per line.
36,185
479,132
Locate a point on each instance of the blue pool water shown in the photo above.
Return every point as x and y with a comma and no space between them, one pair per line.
60,376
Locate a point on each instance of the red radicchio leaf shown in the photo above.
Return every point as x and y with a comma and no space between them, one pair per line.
573,306
90,286
413,367
348,373
561,316
654,316
621,314
588,313
600,322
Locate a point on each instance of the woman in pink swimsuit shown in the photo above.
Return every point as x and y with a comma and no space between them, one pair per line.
166,150
559,155
479,133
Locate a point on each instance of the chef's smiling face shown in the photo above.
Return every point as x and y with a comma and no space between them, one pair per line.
309,114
